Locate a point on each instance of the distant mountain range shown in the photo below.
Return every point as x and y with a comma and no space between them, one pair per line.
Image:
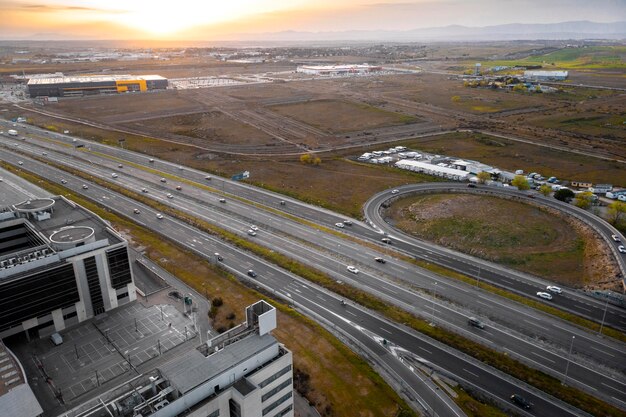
515,31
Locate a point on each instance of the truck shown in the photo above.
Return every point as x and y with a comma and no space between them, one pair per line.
12,132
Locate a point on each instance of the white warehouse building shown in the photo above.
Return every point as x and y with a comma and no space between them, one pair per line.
546,75
435,170
337,69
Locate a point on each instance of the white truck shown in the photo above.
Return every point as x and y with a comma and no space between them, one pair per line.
12,132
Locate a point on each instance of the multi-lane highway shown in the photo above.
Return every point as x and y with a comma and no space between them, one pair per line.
193,199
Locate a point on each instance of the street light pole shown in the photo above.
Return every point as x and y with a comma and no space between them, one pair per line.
606,306
569,356
432,319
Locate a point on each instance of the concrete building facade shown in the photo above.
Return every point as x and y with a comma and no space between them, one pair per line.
63,86
60,264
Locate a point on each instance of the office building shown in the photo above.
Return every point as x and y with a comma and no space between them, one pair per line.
69,86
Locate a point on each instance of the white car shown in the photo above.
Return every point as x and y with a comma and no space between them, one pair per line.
395,191
621,249
254,227
251,232
353,269
544,295
20,163
114,175
63,181
159,216
144,190
347,222
85,186
339,225
554,289
615,238
170,196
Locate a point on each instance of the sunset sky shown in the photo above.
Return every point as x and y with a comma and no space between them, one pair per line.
202,19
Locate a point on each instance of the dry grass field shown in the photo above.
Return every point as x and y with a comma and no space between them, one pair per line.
511,156
336,116
515,234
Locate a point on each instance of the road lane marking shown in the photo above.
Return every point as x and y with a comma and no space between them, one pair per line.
471,373
542,357
385,330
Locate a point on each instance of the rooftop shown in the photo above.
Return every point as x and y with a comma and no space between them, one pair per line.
92,78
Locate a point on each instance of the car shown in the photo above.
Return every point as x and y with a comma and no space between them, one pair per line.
254,227
386,240
163,180
473,321
178,187
339,225
136,211
352,269
380,260
615,238
395,191
180,168
159,216
282,202
471,185
251,273
208,178
85,186
63,181
621,249
56,339
521,401
218,257
347,222
169,195
222,200
120,166
554,289
544,295
20,163
44,153
114,175
151,160
144,190
251,232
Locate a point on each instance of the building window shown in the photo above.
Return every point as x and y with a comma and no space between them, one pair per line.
122,295
277,402
285,411
275,376
273,391
119,268
215,413
234,408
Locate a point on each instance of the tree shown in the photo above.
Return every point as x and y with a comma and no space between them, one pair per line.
310,159
584,200
564,194
483,177
521,182
616,213
545,190
455,99
520,87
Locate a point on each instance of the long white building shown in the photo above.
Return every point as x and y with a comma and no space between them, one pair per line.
330,70
432,169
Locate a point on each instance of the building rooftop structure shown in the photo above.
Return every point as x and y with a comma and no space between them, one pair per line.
16,397
432,169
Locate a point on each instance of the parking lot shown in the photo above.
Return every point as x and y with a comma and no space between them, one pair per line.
101,350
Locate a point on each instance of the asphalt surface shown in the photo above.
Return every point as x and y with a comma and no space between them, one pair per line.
226,185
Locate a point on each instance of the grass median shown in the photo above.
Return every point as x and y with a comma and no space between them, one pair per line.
487,355
336,375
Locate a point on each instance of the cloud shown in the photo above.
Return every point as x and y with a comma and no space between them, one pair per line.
55,8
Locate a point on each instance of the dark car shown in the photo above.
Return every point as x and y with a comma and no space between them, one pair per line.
380,260
521,401
470,185
251,273
473,321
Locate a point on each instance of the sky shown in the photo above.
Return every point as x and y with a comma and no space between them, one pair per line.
210,19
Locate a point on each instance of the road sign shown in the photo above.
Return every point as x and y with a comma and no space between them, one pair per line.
241,176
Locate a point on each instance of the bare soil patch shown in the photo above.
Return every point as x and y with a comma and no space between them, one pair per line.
509,232
336,116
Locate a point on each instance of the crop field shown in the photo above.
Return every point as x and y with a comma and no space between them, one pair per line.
607,125
213,126
338,116
518,235
511,156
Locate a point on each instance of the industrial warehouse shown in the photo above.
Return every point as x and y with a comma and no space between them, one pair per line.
97,84
334,70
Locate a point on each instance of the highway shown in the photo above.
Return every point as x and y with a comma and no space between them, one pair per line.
349,319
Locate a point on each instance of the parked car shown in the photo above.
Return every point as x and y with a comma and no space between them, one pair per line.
521,401
473,321
339,225
353,269
554,289
251,273
380,260
544,295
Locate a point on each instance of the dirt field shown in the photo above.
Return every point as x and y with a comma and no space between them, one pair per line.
508,232
337,116
511,156
212,126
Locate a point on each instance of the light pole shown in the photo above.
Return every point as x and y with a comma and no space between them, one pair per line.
432,319
606,306
569,356
478,279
